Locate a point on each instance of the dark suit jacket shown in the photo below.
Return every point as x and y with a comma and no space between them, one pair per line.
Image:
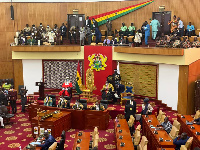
130,110
198,121
89,22
48,143
179,142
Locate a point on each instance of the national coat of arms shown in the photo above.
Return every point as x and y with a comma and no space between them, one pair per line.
97,61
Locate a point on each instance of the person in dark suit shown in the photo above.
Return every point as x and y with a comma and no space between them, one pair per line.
180,140
95,24
49,140
196,121
3,100
88,22
132,102
22,93
130,109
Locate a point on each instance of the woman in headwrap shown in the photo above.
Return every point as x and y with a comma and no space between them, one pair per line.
146,107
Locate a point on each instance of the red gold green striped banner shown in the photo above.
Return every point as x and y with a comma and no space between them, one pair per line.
112,15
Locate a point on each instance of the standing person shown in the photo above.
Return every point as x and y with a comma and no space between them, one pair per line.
88,22
98,35
95,24
3,100
180,27
155,24
131,29
22,93
63,30
82,35
138,38
12,93
109,27
72,33
88,34
147,32
130,109
146,107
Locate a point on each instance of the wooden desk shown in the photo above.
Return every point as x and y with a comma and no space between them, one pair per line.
153,139
191,132
85,141
165,148
80,119
126,136
57,125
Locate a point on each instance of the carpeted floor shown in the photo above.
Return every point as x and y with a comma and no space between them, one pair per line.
18,133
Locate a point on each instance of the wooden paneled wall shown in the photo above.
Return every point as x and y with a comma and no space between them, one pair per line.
51,13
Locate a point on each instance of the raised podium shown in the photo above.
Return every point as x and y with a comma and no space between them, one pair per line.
41,89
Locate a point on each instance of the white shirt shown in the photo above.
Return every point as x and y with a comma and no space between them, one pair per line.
131,102
180,24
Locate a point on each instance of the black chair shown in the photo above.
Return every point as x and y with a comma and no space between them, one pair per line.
104,103
53,100
84,103
60,146
4,114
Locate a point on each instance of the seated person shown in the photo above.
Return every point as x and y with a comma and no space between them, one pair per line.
106,41
123,30
167,126
146,107
122,40
48,101
27,30
49,140
63,103
107,91
51,36
190,30
131,29
77,106
97,106
195,43
180,140
196,121
186,43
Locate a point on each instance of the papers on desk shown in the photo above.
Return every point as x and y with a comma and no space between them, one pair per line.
35,143
189,123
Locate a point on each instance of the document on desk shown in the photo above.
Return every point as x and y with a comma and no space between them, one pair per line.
35,143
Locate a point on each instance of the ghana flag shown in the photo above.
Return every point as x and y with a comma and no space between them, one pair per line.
78,80
112,15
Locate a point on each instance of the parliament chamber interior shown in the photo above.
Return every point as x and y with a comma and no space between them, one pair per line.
99,75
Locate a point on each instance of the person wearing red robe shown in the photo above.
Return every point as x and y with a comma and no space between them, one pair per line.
65,88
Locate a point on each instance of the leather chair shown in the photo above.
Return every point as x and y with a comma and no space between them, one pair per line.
188,143
84,103
143,144
160,115
162,118
131,124
137,137
197,115
138,128
174,132
177,124
60,146
4,114
104,103
53,100
53,146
